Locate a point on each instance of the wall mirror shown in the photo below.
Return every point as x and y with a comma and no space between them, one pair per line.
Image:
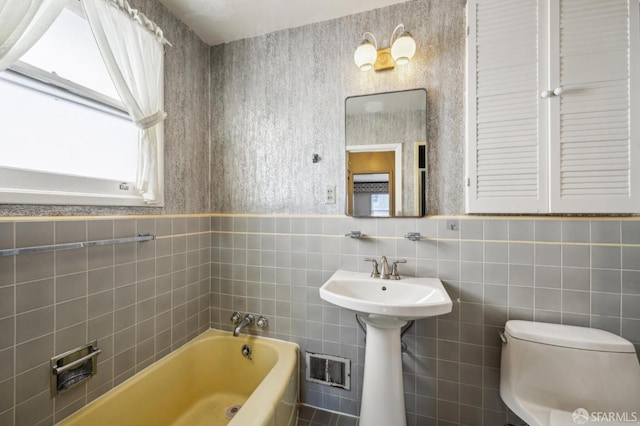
386,154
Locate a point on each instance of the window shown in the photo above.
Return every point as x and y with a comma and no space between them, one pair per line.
380,205
65,136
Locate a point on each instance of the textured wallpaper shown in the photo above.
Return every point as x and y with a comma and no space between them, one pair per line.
278,99
186,128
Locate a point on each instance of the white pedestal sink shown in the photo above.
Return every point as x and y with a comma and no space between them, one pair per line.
385,306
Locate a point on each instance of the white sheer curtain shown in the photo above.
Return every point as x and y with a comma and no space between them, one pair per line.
22,23
133,51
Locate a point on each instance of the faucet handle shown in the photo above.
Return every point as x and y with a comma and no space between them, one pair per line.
236,318
394,269
262,322
374,273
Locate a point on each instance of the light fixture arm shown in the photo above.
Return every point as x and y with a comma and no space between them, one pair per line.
393,34
375,42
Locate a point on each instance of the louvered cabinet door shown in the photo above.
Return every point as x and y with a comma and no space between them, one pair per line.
594,162
506,148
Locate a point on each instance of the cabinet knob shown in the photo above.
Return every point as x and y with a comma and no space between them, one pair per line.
551,93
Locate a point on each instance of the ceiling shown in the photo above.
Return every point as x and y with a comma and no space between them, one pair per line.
221,21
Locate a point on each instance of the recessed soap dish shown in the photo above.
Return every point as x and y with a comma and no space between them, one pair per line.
74,367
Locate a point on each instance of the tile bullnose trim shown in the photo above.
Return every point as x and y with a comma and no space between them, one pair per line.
95,218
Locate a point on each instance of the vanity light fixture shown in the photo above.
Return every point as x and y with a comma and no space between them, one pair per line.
367,56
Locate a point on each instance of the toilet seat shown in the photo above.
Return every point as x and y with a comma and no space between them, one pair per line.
565,418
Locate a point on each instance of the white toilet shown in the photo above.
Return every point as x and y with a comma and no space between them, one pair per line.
561,375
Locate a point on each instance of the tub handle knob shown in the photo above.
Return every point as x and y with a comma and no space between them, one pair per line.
236,318
262,322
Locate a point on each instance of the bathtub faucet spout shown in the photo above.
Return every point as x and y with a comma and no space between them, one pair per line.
246,322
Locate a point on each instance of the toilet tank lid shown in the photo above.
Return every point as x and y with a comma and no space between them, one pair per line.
568,336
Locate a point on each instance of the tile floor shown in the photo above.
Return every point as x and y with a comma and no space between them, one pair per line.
310,416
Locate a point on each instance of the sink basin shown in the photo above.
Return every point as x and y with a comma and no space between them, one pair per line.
406,299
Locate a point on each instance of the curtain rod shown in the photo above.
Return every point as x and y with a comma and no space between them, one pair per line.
141,18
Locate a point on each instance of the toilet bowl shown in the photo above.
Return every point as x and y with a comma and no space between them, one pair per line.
560,375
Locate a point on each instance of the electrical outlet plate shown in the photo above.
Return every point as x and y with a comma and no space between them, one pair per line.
330,195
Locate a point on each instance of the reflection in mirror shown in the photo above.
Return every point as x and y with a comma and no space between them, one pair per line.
386,154
372,195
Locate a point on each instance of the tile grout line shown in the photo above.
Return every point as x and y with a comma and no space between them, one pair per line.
15,326
55,311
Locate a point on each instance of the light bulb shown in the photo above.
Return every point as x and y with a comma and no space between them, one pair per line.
403,49
365,56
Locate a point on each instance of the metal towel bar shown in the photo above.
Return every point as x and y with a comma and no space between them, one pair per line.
71,246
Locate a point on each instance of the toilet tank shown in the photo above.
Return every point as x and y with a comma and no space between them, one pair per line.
547,367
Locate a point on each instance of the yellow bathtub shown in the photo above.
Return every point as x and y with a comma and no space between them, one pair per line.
202,382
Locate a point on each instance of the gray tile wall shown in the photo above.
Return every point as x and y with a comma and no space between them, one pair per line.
563,270
139,300
143,300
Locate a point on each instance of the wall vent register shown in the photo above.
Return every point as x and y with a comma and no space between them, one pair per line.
328,370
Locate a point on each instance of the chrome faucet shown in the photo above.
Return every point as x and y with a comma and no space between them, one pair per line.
246,322
385,268
385,275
